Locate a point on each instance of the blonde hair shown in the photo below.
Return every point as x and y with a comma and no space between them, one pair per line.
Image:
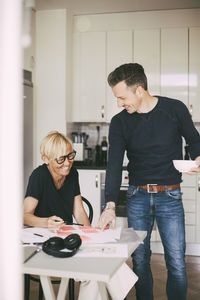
54,145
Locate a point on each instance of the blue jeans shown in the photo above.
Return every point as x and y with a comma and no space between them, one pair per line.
167,209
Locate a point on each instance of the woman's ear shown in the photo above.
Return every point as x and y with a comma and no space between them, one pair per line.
45,159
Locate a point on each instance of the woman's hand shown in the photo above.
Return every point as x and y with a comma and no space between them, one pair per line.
54,223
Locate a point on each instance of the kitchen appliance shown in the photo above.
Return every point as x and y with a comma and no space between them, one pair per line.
80,151
88,156
98,148
121,214
80,143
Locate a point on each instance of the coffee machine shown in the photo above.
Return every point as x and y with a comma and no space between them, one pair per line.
80,143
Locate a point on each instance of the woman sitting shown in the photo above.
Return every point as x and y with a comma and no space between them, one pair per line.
53,197
53,192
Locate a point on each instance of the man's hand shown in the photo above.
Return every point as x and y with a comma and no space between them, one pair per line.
108,216
195,170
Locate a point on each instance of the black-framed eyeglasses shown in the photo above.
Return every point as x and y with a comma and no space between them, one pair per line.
69,156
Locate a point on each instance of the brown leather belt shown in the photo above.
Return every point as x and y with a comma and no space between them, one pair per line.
154,188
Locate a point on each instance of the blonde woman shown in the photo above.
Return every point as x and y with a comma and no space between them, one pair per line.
53,196
53,192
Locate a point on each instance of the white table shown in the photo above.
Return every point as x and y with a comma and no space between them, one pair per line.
83,268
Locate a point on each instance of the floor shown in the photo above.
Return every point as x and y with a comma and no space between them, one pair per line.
159,274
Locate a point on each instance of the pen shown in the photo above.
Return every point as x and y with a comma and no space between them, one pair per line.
75,224
37,244
38,234
35,252
69,223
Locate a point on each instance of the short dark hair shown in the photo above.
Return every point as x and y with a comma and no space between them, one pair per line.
132,74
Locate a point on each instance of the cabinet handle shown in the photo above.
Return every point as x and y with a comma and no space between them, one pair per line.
199,184
191,109
102,111
96,181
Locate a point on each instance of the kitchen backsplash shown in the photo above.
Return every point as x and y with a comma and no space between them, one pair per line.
198,126
91,130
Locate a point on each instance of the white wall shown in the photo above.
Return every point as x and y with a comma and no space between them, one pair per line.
51,74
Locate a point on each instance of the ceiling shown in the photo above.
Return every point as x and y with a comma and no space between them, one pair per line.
81,7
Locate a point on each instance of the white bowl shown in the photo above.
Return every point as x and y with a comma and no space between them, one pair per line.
184,165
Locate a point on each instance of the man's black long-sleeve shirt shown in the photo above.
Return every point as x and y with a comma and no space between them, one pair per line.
152,141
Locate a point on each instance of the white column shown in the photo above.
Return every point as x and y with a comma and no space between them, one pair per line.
10,149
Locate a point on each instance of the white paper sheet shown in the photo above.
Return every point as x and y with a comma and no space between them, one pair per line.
29,236
88,234
103,250
91,234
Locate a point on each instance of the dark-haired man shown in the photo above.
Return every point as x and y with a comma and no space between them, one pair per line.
150,129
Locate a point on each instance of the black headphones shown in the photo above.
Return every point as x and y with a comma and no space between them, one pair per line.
53,245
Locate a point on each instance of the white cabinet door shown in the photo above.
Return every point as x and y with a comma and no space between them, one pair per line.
198,209
89,77
119,51
194,72
90,189
146,51
189,190
191,207
174,63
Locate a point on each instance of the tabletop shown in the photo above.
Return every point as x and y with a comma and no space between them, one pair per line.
84,268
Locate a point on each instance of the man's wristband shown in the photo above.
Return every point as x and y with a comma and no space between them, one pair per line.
108,206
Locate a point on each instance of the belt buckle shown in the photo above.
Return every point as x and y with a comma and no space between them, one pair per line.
148,186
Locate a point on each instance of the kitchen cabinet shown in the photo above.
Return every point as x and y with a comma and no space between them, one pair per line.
194,72
96,54
174,63
90,181
191,195
89,80
118,51
171,62
148,56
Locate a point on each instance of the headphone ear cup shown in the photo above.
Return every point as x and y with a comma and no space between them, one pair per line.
53,245
72,241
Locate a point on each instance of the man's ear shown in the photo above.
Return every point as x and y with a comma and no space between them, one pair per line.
139,91
45,159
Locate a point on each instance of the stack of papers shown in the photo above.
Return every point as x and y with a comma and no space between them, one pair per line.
95,242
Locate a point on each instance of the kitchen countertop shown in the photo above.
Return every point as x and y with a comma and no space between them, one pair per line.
93,166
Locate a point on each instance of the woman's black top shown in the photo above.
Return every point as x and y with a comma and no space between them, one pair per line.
53,201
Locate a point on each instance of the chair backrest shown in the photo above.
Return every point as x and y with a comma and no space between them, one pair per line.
90,209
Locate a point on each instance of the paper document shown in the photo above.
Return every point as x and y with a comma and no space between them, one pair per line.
103,250
34,235
91,234
88,234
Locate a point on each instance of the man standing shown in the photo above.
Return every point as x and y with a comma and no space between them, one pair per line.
150,129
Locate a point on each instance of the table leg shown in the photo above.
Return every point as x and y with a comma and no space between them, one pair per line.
47,287
63,289
102,290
